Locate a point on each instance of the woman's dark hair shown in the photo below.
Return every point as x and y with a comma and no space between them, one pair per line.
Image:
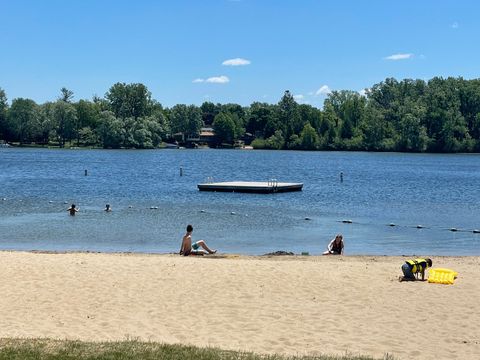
189,228
429,262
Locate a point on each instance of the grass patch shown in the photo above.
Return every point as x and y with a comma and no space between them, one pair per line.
40,349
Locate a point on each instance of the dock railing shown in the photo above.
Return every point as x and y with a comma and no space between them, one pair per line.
273,183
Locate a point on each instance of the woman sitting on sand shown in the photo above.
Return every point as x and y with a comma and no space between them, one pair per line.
188,248
335,247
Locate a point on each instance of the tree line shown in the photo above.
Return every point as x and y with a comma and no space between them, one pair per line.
439,115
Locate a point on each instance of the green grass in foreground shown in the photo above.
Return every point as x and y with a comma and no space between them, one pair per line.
33,349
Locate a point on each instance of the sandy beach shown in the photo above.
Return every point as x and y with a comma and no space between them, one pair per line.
290,305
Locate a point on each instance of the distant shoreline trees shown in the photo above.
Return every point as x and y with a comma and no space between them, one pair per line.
439,115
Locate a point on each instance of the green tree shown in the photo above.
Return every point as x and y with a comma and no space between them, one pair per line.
276,141
258,115
224,127
110,130
307,114
65,117
3,116
160,124
178,116
374,128
186,119
348,107
287,114
194,120
23,120
209,111
309,138
469,95
47,122
87,117
238,115
66,95
88,136
411,133
454,136
328,127
129,100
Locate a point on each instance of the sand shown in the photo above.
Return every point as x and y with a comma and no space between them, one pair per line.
290,305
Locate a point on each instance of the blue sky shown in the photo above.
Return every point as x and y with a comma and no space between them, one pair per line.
181,49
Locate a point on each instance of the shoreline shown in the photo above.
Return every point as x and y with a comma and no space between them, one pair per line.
265,304
220,255
57,147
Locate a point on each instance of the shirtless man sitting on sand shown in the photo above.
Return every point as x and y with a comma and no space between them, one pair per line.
188,248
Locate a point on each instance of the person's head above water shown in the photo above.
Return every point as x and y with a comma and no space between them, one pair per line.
189,228
73,206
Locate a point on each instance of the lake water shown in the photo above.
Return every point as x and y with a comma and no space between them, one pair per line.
438,192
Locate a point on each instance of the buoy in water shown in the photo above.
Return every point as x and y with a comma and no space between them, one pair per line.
476,231
233,213
419,226
391,224
307,218
153,207
453,229
202,211
347,221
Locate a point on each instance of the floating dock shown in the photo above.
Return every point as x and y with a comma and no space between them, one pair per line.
261,187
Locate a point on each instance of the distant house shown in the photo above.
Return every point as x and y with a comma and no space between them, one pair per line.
205,137
248,138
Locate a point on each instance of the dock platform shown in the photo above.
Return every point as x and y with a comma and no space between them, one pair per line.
261,187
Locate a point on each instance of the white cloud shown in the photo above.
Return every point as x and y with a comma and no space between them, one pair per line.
324,90
363,92
399,57
218,79
454,25
298,97
236,62
213,80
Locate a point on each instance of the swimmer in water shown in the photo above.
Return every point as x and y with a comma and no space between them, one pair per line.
72,210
